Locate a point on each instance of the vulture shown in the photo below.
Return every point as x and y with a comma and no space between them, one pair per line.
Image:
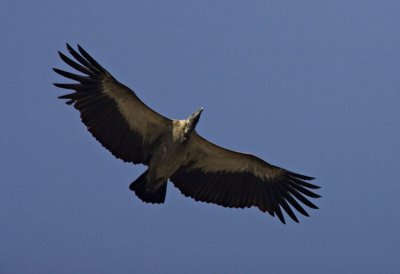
173,150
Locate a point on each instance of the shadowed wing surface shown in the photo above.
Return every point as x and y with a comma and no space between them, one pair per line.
232,179
112,112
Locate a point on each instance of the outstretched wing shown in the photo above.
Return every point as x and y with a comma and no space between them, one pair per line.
112,112
231,179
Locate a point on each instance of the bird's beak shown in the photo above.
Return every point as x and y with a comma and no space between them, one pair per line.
195,117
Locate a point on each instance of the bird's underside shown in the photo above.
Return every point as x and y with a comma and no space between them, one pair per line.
174,151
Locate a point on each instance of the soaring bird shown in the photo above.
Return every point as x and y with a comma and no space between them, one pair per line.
173,150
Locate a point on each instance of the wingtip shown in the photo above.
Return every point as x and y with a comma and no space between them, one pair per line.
293,217
86,55
313,206
69,48
69,102
280,216
61,55
300,176
65,86
56,70
81,50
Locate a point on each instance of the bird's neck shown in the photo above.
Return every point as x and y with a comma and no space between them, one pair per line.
181,130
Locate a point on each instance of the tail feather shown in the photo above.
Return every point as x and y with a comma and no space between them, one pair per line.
139,186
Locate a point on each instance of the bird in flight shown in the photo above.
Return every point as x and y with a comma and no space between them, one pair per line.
173,150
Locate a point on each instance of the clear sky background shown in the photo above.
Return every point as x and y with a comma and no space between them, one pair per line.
312,86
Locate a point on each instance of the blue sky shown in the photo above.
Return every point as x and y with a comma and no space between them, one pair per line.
312,86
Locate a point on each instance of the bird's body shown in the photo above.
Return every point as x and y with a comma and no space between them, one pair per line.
169,155
173,150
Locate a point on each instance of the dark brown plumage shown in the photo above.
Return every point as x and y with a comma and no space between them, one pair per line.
173,150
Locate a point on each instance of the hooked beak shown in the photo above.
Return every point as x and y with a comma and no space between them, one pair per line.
194,118
196,115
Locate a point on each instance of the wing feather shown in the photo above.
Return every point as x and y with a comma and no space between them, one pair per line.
232,179
112,112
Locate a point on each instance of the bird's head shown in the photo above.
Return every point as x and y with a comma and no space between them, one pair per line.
192,121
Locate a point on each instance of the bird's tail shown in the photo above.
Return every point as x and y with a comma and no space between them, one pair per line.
146,194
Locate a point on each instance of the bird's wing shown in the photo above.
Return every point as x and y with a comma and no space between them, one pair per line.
112,112
232,179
